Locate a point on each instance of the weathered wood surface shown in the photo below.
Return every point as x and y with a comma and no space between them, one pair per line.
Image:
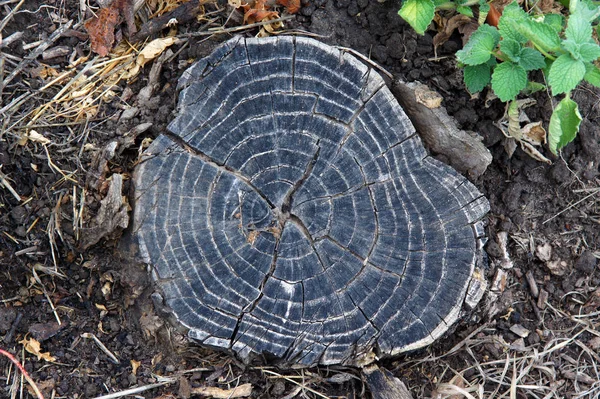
292,211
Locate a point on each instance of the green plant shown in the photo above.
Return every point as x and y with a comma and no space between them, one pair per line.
563,48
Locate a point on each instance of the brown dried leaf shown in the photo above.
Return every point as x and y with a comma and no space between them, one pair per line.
467,30
534,133
448,26
135,364
33,346
258,11
101,29
291,6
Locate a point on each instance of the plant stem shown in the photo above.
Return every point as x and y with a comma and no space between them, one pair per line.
23,371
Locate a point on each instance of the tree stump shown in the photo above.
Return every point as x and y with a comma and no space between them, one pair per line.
292,212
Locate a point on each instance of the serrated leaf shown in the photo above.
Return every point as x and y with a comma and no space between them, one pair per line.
511,48
418,13
592,75
464,10
542,36
589,52
476,77
508,80
555,21
512,15
484,9
572,48
585,8
531,59
578,28
564,124
478,49
565,73
533,87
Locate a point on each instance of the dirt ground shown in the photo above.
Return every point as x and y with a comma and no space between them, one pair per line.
536,333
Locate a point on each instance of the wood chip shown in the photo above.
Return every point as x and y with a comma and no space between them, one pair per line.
241,391
520,330
499,283
541,302
533,287
544,252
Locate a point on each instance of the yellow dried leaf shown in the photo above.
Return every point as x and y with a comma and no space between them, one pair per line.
134,366
151,51
33,136
534,133
34,347
154,49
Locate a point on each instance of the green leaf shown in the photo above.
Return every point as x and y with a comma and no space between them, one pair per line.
508,80
578,28
512,16
479,47
531,59
572,48
555,21
589,52
541,35
592,75
533,87
564,124
565,73
511,48
476,77
465,11
484,9
418,13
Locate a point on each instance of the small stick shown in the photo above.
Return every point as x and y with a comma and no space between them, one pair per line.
133,391
184,13
39,50
533,287
8,337
237,28
39,281
24,372
12,12
7,41
104,349
572,205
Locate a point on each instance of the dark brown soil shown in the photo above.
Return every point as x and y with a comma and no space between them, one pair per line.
100,291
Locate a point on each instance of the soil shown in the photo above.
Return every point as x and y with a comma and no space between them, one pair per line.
550,213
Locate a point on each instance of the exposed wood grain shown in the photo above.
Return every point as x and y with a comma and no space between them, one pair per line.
292,210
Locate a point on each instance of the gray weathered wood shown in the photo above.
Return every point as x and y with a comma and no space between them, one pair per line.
291,210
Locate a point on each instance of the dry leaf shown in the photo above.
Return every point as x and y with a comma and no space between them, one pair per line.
154,49
258,11
33,346
33,136
447,27
534,133
291,6
528,136
135,364
101,29
149,52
